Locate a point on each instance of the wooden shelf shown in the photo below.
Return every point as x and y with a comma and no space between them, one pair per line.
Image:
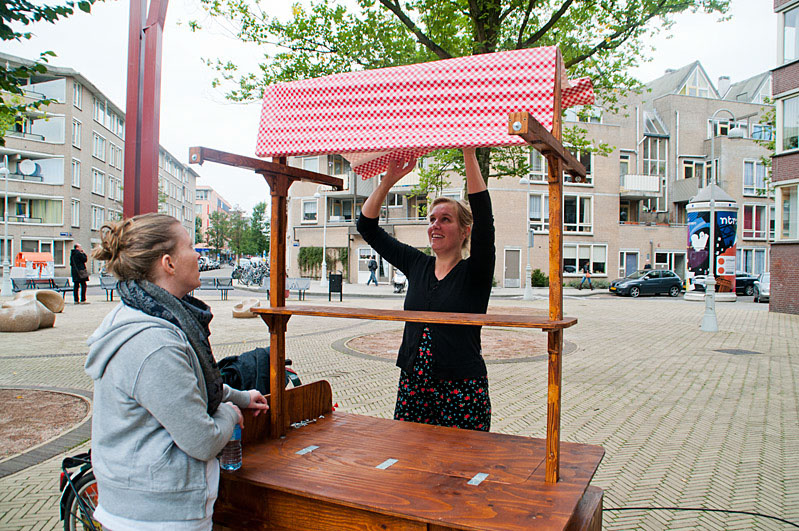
479,319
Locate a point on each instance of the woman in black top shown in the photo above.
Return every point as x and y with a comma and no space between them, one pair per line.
443,379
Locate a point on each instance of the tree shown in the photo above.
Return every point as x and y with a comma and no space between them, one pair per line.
602,39
198,230
259,229
218,231
13,79
238,232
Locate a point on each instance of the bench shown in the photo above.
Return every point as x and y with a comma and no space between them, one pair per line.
39,283
223,285
62,286
109,284
300,285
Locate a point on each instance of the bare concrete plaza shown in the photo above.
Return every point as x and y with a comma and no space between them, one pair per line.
687,419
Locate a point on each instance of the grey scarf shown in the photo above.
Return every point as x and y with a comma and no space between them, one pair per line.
190,315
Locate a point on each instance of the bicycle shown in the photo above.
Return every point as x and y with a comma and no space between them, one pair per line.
78,493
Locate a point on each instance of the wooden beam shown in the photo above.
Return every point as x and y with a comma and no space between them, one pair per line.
474,319
198,155
548,144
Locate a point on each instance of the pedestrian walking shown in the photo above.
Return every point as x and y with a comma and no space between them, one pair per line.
80,274
372,268
586,276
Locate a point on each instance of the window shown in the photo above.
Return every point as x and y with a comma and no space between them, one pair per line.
76,133
577,255
693,168
47,211
98,147
339,165
310,164
577,213
624,164
755,222
790,123
538,209
697,85
309,209
751,260
772,222
394,200
585,157
538,166
341,209
788,205
77,95
754,178
76,173
98,113
790,36
98,216
583,113
762,132
655,156
75,213
98,182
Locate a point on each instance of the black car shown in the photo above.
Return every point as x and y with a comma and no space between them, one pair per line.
647,281
744,283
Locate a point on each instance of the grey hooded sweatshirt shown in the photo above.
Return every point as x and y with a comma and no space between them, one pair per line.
151,432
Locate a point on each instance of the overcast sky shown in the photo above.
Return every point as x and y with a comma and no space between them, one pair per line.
194,113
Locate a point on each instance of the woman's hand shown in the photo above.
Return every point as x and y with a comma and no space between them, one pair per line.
397,170
257,402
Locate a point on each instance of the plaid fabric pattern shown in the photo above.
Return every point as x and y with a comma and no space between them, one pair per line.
374,116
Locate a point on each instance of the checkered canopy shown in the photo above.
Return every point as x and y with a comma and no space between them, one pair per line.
374,116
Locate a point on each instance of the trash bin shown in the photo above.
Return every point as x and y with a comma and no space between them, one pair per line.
335,282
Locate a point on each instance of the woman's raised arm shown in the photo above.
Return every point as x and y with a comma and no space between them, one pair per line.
474,179
395,172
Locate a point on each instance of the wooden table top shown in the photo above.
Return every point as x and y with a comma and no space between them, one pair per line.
429,482
480,319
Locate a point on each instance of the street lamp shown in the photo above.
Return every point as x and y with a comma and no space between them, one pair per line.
6,290
528,288
709,321
323,278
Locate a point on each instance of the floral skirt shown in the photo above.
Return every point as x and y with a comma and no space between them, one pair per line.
428,400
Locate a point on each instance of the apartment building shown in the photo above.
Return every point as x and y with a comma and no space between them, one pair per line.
208,201
668,143
66,169
785,163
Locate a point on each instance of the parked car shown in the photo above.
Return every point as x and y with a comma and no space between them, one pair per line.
744,283
762,287
647,281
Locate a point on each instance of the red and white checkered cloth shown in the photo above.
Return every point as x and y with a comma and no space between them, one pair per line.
374,116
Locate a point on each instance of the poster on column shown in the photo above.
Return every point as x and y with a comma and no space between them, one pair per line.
726,231
698,237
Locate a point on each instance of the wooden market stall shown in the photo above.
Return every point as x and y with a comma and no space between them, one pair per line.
309,467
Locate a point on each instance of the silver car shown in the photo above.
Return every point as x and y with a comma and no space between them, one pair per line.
763,287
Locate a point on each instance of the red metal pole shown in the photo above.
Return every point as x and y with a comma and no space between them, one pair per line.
133,109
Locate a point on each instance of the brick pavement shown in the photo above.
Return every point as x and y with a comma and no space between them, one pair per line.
682,423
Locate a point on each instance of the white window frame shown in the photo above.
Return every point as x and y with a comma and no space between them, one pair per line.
578,225
538,166
538,225
695,165
315,204
792,223
99,144
97,223
589,173
591,259
695,84
741,262
77,95
754,190
99,110
98,176
77,126
75,213
780,144
76,170
753,234
784,41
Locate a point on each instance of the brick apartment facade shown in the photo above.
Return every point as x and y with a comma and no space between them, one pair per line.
785,162
630,213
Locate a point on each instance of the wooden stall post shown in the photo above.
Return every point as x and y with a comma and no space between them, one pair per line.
555,337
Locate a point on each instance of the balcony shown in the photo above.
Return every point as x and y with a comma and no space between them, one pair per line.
682,190
632,186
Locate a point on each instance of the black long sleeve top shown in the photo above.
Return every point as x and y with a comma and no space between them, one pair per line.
456,348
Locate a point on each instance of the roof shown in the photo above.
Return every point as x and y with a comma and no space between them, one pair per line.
672,81
718,195
747,89
401,113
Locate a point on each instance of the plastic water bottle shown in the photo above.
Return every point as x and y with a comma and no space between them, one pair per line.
230,458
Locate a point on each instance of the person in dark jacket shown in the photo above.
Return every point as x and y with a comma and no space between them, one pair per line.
372,269
443,380
80,275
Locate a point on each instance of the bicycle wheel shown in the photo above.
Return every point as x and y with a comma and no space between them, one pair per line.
86,489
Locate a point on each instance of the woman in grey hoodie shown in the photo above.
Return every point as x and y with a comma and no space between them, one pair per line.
161,412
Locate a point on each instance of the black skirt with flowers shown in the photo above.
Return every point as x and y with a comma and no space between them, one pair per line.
428,400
